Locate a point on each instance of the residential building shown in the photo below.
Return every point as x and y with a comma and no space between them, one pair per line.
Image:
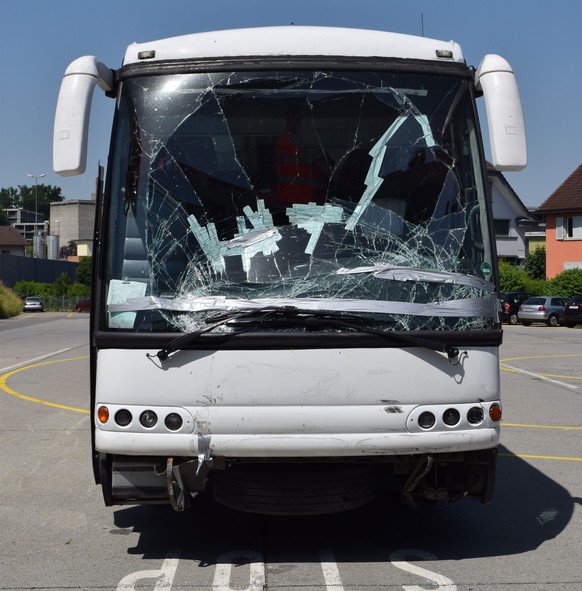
11,241
511,218
26,222
563,213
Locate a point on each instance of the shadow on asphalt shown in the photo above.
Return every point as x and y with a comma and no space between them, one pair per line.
527,510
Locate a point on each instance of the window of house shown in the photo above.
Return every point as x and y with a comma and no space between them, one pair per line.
569,228
501,227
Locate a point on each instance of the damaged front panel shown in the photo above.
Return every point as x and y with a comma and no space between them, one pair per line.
357,192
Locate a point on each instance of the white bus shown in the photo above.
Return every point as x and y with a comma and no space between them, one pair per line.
295,290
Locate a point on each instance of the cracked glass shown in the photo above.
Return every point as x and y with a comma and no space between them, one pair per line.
347,192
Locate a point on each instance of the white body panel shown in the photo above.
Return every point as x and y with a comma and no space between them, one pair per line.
296,41
307,403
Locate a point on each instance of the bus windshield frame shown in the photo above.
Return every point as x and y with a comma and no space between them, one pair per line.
350,192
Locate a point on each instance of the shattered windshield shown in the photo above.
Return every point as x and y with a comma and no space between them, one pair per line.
352,192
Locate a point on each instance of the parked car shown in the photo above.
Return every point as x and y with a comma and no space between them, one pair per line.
510,302
83,306
572,313
33,304
542,309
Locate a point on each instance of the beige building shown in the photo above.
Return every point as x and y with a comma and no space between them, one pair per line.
74,221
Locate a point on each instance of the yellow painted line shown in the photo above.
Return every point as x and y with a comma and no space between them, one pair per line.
534,457
542,376
551,375
548,375
4,386
564,427
542,356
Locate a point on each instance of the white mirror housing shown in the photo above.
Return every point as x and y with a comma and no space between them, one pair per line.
73,113
496,79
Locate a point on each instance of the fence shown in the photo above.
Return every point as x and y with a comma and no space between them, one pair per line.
60,303
15,268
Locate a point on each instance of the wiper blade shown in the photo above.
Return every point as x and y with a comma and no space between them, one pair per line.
309,318
216,321
257,315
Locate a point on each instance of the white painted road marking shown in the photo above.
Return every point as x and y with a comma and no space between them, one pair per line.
397,558
164,576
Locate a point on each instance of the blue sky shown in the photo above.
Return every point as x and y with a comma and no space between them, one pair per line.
39,38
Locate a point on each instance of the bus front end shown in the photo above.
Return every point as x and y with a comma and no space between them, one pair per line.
295,277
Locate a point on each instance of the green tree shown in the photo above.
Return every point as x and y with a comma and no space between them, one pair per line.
61,285
535,263
69,250
84,271
33,197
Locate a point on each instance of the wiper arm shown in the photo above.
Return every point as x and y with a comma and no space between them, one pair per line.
216,321
359,323
308,318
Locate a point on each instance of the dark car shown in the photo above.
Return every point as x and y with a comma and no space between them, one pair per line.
83,306
546,309
510,303
33,304
572,313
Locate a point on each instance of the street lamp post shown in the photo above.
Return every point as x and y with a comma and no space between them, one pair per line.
35,177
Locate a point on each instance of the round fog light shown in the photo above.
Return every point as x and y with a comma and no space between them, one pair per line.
123,417
173,421
451,417
426,420
475,415
148,418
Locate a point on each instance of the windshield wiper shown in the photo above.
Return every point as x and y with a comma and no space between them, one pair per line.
214,322
309,318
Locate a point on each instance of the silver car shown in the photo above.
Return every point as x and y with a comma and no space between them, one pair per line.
545,309
33,304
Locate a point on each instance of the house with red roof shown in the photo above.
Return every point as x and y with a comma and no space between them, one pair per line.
563,213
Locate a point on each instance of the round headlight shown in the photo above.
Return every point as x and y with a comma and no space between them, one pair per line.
451,417
173,421
148,418
426,420
123,417
475,415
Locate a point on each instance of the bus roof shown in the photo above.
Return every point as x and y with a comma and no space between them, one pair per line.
294,41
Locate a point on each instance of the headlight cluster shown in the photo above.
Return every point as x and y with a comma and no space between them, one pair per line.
461,416
139,418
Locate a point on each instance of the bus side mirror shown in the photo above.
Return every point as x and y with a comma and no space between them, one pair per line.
71,129
496,80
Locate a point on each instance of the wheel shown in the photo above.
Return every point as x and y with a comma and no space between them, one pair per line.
513,319
570,325
526,323
552,320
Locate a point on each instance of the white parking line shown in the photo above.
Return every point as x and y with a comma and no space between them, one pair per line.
31,361
333,581
538,376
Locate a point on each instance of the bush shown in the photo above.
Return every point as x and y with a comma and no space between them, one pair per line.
60,295
511,278
568,283
10,303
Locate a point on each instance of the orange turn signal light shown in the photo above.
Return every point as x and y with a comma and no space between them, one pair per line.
103,414
495,412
